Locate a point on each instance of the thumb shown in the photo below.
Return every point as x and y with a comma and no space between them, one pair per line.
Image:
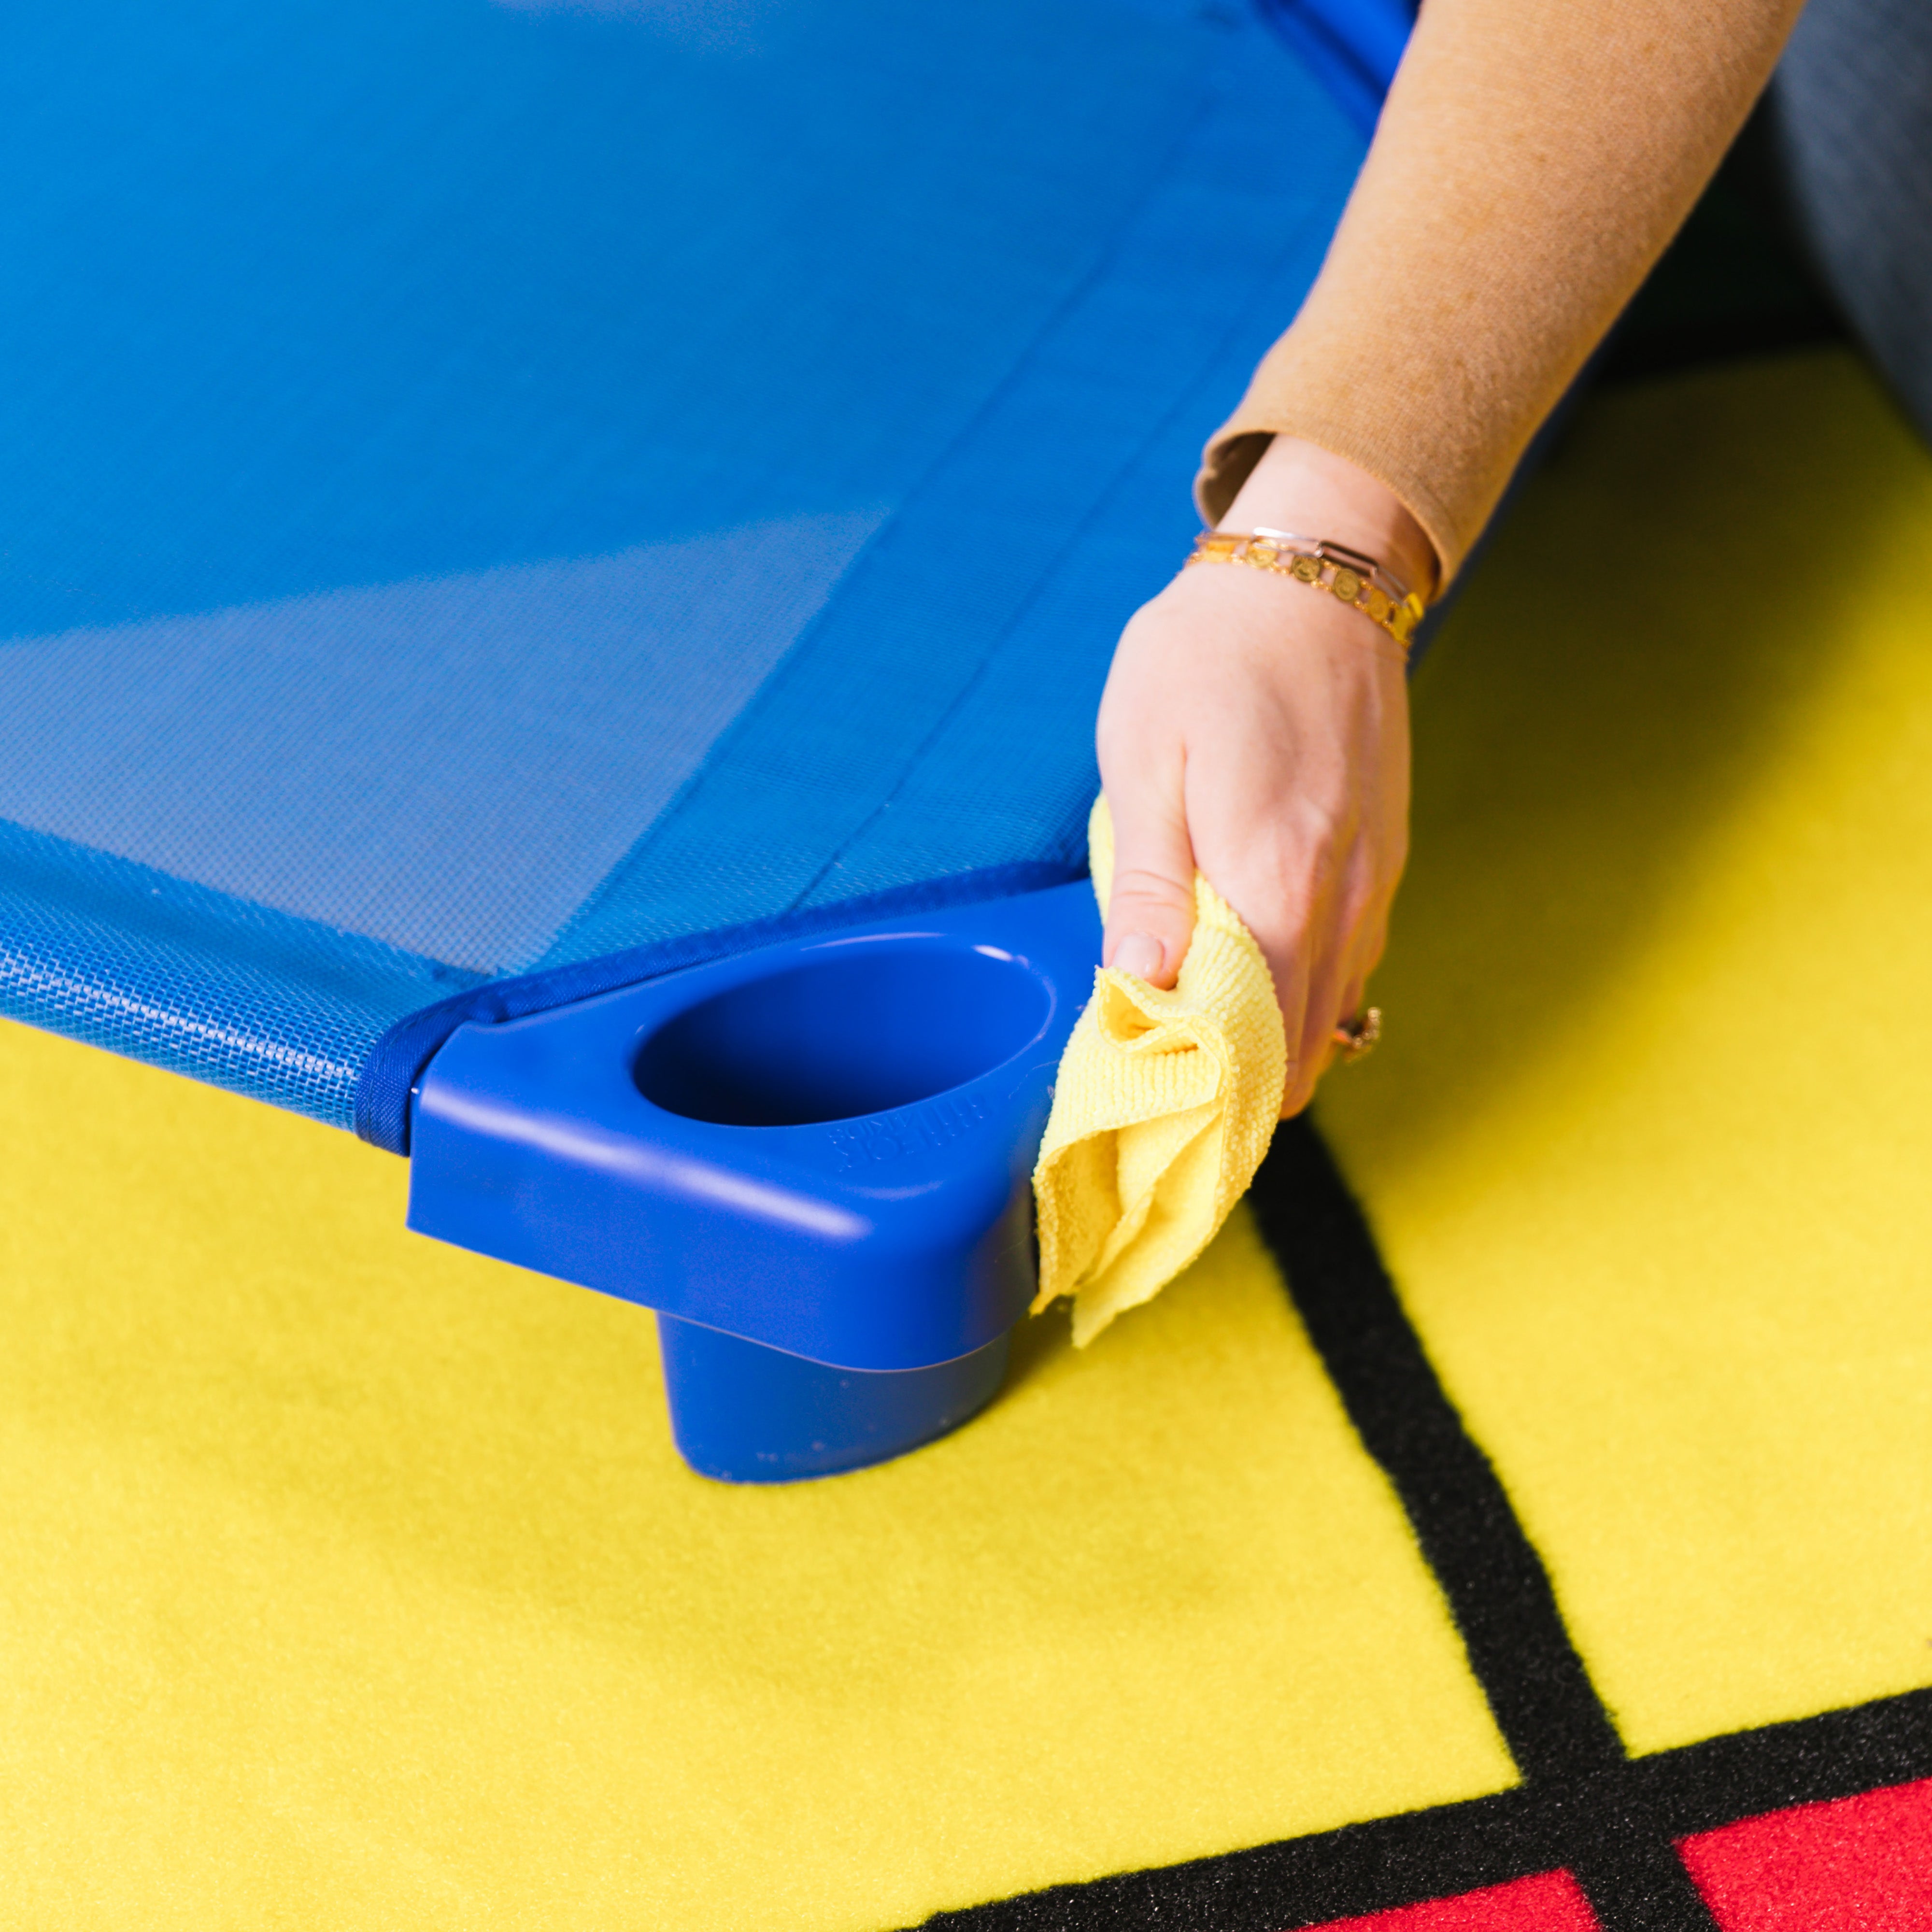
1151,905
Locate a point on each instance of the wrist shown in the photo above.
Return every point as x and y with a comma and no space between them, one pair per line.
1301,487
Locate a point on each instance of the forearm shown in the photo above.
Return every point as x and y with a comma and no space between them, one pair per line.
1534,160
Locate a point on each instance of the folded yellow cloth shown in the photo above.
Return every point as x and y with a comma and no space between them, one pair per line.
1165,1104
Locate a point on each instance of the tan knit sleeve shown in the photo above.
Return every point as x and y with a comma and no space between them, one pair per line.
1534,159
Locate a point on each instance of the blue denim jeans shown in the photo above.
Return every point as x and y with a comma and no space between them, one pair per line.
1850,133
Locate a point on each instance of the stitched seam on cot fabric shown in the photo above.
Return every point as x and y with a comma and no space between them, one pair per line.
971,576
118,955
941,466
1093,518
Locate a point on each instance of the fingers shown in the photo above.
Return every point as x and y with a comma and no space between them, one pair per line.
1151,908
1320,1048
1340,995
1344,944
1291,986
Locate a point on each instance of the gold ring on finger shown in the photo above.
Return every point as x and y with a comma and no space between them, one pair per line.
1357,1037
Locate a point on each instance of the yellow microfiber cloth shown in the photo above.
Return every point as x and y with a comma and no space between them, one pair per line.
1165,1104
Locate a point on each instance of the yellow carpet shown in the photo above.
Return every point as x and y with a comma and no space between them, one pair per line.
349,1581
1649,1146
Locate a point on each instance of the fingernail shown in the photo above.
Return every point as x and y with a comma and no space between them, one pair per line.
1138,954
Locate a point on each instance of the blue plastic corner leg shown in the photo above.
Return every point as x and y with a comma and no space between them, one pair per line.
748,1413
813,1160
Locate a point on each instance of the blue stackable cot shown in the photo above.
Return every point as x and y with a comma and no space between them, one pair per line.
554,554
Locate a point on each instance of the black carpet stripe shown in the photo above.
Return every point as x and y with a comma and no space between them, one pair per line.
1300,1882
1584,1805
1419,1855
1498,1592
1838,1754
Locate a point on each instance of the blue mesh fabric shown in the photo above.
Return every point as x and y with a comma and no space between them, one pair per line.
123,957
528,489
471,753
939,713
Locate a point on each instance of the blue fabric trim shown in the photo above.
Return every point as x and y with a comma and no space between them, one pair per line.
1354,47
266,1004
396,1062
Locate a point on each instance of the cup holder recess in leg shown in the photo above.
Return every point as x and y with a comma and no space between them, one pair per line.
859,1029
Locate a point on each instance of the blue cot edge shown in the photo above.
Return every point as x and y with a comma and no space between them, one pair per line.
396,1062
1353,50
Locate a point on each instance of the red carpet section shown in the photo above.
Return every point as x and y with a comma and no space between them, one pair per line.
1551,1902
1857,1865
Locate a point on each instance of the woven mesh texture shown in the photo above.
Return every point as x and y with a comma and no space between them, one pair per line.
493,487
470,754
123,957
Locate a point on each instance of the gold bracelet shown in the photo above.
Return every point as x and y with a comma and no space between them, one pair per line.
1357,580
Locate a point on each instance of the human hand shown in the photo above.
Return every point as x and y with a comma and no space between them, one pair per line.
1259,732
